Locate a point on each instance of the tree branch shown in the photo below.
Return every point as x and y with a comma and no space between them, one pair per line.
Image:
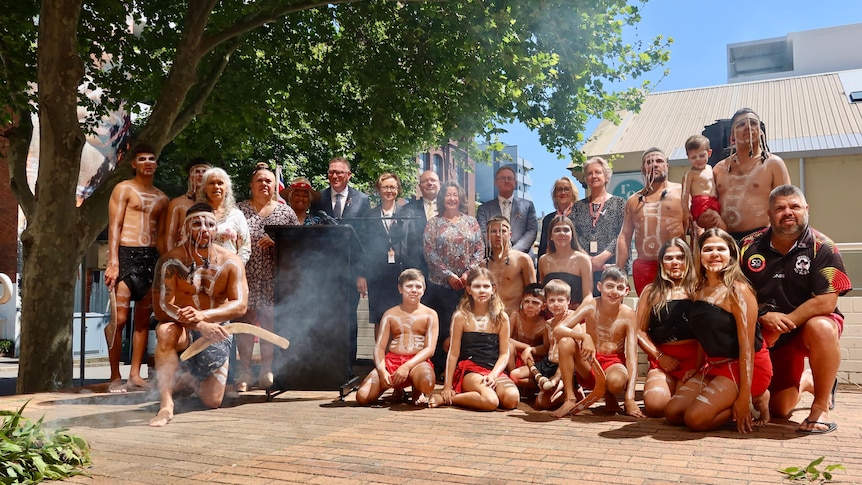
195,105
19,135
272,13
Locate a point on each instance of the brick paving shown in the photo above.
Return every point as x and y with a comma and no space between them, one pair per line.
312,438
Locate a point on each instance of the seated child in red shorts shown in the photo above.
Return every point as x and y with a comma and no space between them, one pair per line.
406,340
602,350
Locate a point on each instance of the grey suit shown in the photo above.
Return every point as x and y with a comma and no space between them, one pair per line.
523,222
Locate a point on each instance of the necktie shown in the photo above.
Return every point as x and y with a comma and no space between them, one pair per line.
507,209
338,207
430,209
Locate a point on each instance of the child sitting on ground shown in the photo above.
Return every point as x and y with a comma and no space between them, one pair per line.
546,371
528,335
602,350
406,341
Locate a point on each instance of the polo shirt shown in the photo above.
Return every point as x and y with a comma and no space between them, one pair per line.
784,281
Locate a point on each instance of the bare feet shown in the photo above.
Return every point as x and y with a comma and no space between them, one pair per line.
436,401
137,382
163,418
761,410
569,406
265,379
243,382
117,387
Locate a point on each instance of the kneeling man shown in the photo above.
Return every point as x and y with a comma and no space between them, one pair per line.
198,287
798,274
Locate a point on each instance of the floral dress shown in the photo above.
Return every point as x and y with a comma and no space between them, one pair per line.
452,248
260,268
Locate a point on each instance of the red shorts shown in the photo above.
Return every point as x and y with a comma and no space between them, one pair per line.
702,203
605,361
730,369
519,362
685,353
465,367
790,359
644,273
394,361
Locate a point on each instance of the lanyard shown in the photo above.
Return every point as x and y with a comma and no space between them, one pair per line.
594,215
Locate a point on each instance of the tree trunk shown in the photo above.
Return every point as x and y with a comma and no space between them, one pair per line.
46,316
55,237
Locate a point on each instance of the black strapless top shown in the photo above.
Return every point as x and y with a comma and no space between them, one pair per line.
715,329
480,347
576,295
672,324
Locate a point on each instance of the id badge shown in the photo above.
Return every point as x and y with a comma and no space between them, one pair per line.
594,247
391,256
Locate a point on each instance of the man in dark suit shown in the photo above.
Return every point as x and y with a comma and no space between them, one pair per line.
425,207
338,200
520,212
343,203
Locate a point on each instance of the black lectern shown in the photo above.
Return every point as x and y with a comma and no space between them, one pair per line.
312,281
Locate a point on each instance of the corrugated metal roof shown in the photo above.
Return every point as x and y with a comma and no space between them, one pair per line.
802,114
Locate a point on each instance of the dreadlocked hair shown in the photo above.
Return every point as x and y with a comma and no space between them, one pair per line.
648,177
764,147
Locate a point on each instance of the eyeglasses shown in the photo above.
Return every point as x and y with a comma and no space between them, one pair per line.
337,173
506,179
562,190
390,188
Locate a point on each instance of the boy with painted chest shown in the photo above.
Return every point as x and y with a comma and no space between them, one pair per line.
602,350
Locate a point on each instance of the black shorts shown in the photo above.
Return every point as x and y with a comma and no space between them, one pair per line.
546,367
137,266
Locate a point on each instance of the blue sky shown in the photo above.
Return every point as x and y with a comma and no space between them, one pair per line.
701,31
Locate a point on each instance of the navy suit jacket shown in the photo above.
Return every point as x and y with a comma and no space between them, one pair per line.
524,224
417,207
354,206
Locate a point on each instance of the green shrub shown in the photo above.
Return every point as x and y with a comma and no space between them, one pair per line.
29,453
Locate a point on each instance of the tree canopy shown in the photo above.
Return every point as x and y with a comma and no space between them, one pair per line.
290,80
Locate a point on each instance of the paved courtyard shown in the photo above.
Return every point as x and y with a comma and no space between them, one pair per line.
312,437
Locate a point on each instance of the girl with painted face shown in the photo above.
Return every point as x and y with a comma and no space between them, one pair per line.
664,332
737,371
475,375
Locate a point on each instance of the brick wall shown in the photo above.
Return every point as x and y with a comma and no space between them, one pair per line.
8,219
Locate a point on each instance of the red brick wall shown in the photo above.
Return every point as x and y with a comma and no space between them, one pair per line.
8,219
